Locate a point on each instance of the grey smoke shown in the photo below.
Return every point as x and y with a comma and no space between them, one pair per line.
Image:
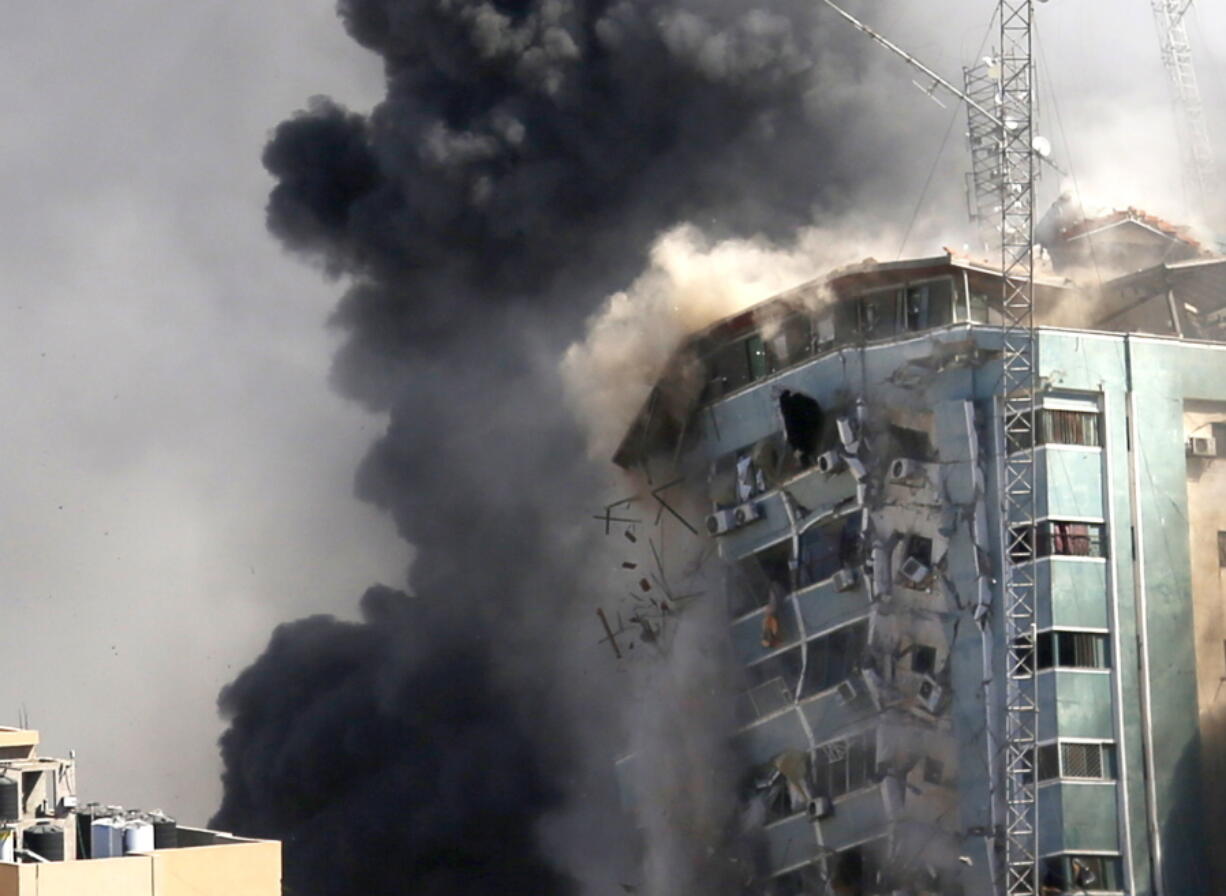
523,159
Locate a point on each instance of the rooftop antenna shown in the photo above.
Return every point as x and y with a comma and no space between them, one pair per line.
983,132
981,94
1200,166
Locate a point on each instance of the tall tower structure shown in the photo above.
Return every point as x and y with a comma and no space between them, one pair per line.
1017,404
1200,166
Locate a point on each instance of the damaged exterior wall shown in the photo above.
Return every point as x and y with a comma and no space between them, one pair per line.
862,589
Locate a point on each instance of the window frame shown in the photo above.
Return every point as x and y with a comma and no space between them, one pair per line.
1106,881
1056,751
853,757
1090,425
1086,404
1025,543
1051,652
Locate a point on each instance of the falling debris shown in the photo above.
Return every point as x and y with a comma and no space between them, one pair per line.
609,634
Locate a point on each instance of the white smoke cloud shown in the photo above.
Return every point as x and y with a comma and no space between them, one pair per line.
691,281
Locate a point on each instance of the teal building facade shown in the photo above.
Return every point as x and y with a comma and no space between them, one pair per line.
847,436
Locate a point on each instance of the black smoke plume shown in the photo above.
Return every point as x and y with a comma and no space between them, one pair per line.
350,739
526,154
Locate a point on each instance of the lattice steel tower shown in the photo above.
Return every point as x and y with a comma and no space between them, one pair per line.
1017,400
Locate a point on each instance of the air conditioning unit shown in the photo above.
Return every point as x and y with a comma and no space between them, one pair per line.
845,579
747,513
820,807
904,469
930,694
830,462
847,435
913,572
848,691
866,683
723,521
1202,446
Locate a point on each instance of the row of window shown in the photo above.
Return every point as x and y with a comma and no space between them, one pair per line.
864,869
1057,538
876,315
824,550
739,475
1060,649
817,665
1056,426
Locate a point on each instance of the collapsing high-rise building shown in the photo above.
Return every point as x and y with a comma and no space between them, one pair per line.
848,438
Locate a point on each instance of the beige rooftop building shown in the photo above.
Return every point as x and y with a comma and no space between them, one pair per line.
51,846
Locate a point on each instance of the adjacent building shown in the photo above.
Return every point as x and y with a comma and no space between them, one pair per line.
50,845
848,437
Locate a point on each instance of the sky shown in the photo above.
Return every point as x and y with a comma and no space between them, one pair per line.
177,475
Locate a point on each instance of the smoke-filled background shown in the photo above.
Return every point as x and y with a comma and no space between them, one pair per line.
483,176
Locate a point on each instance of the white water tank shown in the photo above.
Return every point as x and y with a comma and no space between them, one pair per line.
138,836
106,838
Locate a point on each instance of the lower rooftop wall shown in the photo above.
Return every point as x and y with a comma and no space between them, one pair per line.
229,867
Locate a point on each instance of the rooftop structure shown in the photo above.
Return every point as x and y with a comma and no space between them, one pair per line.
50,845
847,438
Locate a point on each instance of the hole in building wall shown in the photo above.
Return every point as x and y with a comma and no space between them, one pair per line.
802,424
923,659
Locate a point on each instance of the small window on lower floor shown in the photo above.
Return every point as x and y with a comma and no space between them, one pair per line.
846,765
1072,650
1056,538
1095,761
1077,873
1085,761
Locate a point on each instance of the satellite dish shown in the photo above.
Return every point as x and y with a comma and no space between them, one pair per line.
1042,146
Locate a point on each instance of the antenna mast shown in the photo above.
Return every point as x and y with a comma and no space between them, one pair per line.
1200,166
1017,399
983,132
